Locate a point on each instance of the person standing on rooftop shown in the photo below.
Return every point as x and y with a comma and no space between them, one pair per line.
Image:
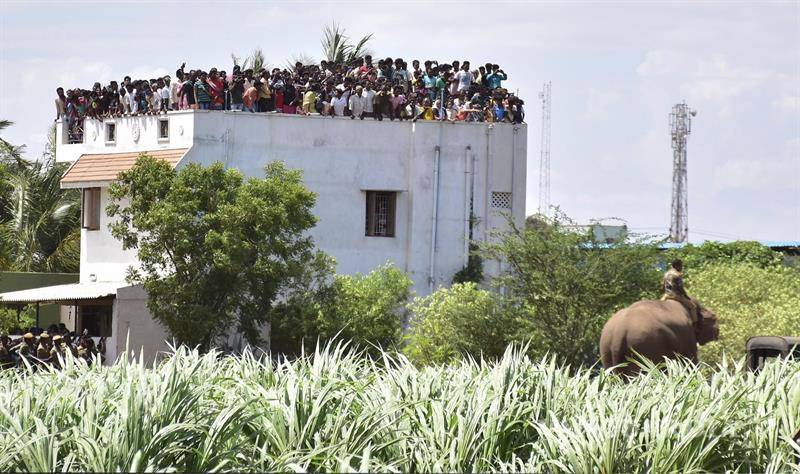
494,80
201,92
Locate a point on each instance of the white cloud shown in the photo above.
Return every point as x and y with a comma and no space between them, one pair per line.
756,175
787,103
599,103
713,79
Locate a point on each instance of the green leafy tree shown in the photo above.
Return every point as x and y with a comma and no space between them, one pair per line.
39,221
750,300
456,321
215,249
255,61
563,285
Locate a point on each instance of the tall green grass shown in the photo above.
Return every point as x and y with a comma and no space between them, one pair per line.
338,411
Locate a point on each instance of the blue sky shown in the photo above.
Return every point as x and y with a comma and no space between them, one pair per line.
616,67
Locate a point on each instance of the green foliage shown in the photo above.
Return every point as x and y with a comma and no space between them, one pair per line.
9,320
749,300
456,321
215,249
39,221
473,271
564,285
368,310
710,252
337,46
337,411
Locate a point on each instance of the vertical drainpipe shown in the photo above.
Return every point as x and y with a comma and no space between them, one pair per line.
487,197
467,200
434,215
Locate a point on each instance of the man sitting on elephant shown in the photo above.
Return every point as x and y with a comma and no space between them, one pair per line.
658,329
673,289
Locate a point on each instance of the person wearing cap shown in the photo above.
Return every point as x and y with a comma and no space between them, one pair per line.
25,349
6,360
58,351
43,350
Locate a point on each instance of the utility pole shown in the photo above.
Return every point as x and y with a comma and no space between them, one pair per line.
544,158
680,124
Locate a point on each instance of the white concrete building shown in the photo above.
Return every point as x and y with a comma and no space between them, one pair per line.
386,191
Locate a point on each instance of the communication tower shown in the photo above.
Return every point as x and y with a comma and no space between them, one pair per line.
544,159
680,124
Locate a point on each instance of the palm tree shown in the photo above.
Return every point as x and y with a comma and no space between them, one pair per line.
255,61
39,221
337,47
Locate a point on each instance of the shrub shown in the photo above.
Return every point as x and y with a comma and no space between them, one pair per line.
455,321
750,301
710,252
366,309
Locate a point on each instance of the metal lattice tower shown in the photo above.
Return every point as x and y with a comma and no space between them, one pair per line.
680,124
544,159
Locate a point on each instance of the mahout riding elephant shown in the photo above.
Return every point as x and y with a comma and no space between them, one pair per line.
656,330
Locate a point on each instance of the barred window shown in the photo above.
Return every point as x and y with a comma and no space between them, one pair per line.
163,129
111,132
380,213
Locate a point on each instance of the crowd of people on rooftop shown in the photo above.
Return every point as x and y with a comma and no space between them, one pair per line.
361,89
38,348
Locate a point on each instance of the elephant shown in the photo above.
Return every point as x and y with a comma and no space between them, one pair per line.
656,330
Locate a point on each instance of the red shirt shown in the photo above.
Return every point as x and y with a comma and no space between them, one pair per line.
216,91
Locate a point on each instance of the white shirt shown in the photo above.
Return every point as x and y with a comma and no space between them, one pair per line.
356,105
367,97
165,92
173,92
131,96
339,104
465,79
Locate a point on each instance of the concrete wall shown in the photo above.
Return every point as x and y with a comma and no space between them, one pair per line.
341,160
102,256
134,328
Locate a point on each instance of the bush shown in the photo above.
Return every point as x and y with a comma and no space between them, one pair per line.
365,309
710,252
749,300
455,321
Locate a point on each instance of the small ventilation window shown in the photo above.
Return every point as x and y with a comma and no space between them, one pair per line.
111,132
163,129
501,200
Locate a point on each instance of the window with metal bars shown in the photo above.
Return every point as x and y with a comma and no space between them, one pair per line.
163,129
380,213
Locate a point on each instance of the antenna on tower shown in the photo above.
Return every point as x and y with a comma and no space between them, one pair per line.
680,124
544,159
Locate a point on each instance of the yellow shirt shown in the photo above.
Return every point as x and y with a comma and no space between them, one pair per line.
309,98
